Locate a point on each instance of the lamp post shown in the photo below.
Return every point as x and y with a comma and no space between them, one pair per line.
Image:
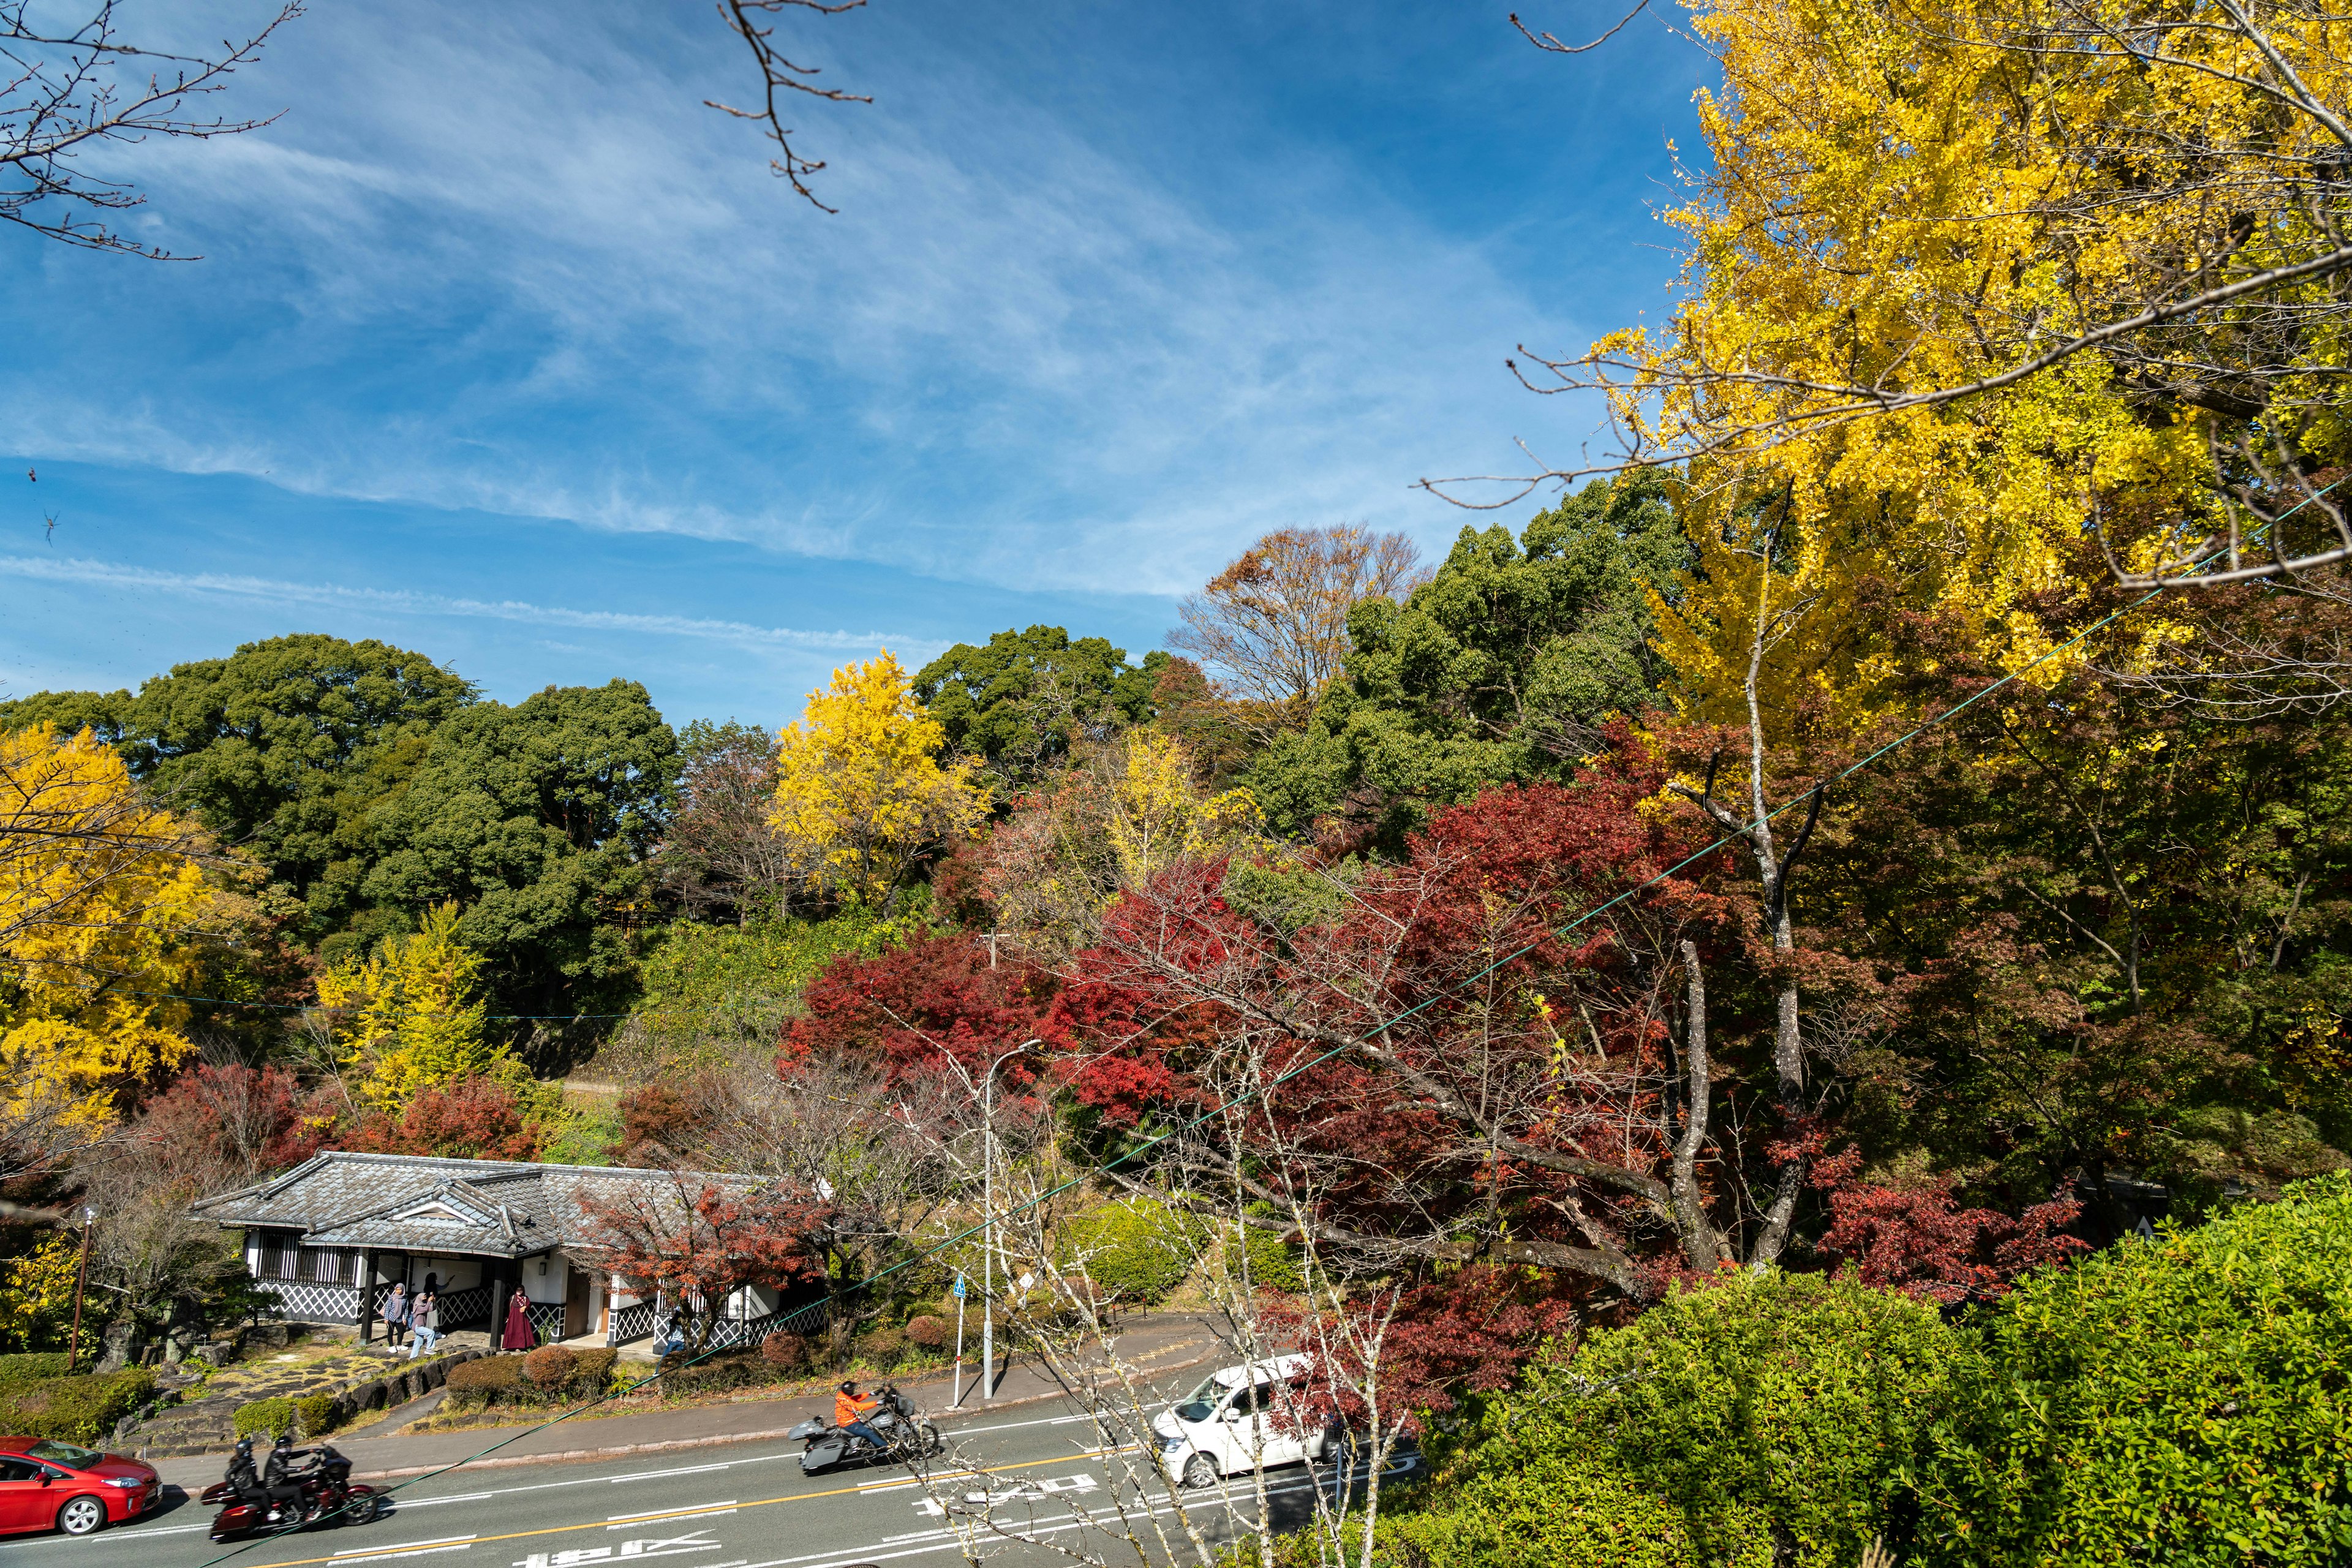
988,1225
81,1277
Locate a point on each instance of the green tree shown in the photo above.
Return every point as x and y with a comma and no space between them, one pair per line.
1498,668
1019,702
289,748
537,819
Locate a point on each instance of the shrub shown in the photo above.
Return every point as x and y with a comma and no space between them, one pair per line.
264,1418
77,1409
591,1370
1764,1404
37,1366
314,1414
783,1351
733,1369
548,1367
1274,1263
1136,1249
485,1380
880,1349
1550,1512
2180,1401
927,1332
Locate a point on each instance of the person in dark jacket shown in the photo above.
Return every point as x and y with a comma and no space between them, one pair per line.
242,1477
278,1475
395,1316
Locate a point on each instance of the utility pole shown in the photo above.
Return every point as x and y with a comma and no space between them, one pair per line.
988,1236
81,1277
988,1225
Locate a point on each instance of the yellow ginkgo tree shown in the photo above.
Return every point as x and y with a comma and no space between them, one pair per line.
412,1017
104,904
861,794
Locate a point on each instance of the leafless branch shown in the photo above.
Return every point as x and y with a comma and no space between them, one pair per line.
780,77
67,91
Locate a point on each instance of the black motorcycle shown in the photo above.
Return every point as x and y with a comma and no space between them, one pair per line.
908,1436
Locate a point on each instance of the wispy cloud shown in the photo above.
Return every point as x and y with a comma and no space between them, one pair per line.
397,601
1020,355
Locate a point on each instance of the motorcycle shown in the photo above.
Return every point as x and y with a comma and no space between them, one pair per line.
910,1437
328,1491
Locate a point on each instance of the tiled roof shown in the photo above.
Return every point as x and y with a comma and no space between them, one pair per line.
411,1203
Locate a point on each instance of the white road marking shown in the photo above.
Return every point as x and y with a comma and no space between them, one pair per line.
364,1554
573,1558
436,1541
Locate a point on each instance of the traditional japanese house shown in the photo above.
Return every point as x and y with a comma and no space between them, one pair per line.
332,1236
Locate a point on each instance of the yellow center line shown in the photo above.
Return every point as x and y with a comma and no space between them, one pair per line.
679,1514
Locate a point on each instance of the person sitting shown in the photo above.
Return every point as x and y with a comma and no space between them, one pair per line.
242,1477
849,1414
278,1479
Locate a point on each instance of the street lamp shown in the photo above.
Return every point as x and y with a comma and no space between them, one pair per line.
81,1276
988,1224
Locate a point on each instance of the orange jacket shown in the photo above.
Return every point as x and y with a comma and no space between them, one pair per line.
846,1409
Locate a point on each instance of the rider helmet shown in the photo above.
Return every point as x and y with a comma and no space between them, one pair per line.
850,1387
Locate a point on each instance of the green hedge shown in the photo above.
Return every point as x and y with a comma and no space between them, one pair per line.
264,1418
1135,1250
37,1366
2184,1401
315,1413
76,1409
1766,1401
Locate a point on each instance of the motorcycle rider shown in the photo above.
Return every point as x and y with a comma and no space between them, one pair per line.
849,1413
242,1477
277,1477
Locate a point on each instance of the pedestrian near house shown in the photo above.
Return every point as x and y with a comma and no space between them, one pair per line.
424,1320
518,1335
396,1315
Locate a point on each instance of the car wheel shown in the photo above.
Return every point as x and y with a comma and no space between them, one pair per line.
1199,1470
81,1515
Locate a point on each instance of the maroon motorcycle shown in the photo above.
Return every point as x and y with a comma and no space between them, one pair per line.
328,1492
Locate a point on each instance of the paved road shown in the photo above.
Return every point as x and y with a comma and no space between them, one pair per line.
1041,1470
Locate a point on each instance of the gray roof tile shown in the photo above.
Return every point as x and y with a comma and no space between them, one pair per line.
413,1202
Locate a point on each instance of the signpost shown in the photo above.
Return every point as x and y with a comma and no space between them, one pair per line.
958,1399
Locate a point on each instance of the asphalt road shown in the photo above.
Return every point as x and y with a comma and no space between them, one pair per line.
1007,1482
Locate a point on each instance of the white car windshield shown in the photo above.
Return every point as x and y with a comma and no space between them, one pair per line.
1201,1403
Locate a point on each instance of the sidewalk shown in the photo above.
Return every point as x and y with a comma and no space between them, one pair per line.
1155,1345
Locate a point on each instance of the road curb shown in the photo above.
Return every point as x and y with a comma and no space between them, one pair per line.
676,1445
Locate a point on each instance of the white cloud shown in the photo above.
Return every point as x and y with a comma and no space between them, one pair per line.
1016,356
207,584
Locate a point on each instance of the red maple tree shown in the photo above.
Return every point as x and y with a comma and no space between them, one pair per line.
696,1240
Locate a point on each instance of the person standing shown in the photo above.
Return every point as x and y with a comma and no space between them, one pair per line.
518,1335
424,1322
396,1315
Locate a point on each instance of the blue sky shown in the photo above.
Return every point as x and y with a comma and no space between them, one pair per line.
506,349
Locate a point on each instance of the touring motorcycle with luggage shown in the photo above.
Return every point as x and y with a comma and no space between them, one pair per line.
908,1436
327,1491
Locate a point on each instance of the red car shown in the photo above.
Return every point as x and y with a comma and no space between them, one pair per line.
46,1484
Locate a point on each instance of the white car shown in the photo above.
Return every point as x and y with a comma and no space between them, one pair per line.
1237,1420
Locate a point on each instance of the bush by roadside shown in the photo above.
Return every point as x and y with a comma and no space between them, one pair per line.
264,1418
81,1409
549,1375
1763,1405
2181,1401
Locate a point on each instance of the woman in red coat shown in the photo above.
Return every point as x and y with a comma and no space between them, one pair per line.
517,1336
